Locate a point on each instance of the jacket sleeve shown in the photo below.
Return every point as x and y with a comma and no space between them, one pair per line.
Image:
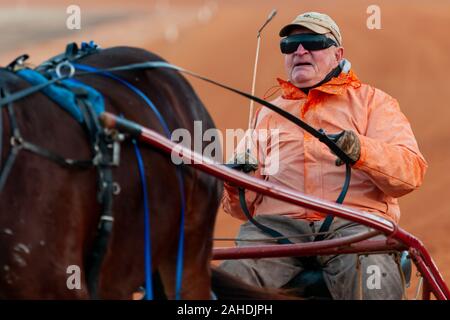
231,204
389,151
230,198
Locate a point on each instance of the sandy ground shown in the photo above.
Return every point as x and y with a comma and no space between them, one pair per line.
408,58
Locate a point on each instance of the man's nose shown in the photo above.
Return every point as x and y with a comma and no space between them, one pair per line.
300,50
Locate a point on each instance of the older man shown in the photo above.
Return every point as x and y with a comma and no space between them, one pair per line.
323,91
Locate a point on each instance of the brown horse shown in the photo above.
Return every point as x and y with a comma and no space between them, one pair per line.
49,214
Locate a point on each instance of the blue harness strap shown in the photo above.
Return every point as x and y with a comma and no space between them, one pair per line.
147,238
180,253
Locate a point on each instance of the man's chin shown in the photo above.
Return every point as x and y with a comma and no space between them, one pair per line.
303,80
303,83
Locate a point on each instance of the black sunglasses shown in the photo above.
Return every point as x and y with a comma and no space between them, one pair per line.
308,41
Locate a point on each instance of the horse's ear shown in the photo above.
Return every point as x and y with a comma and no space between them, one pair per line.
71,50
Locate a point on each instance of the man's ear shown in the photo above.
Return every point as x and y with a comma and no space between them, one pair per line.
339,53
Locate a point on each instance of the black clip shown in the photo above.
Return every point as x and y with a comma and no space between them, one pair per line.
18,63
71,50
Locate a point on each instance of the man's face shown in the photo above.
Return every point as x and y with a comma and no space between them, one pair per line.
306,68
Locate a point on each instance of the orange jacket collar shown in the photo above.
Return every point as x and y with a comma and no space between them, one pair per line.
336,85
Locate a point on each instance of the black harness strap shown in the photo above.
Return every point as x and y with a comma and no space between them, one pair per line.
18,143
2,95
14,147
1,131
103,148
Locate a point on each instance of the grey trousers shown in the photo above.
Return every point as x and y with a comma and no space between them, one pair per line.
380,274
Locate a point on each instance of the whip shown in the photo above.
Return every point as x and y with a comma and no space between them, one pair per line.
258,36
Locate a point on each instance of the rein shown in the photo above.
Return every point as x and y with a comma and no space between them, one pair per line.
319,134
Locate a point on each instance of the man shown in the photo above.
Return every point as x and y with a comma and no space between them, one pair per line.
323,91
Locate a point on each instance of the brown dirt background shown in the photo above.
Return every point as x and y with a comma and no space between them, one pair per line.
407,58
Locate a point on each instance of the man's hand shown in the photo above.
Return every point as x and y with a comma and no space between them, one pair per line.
244,162
349,143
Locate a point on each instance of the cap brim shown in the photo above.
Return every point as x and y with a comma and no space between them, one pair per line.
311,26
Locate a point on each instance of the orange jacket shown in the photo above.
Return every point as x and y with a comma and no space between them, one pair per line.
390,165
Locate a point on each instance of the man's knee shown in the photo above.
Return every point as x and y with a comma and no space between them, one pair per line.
381,277
368,277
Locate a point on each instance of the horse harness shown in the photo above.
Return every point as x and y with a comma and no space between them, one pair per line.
104,144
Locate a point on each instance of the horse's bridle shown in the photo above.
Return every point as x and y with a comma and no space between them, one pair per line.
18,143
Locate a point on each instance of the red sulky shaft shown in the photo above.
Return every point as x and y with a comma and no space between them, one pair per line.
430,271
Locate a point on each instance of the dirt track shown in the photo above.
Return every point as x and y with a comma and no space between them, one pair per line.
408,58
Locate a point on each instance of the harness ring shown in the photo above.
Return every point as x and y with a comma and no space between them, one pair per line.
16,141
116,188
59,69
